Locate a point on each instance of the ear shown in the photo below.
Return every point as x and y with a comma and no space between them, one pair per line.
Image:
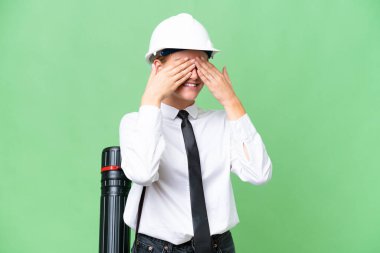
157,65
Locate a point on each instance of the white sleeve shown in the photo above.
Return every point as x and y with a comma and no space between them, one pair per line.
246,141
142,144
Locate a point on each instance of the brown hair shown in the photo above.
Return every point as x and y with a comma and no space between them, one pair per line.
162,59
159,57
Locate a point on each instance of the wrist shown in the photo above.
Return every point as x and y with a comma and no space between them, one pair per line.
150,100
234,109
231,102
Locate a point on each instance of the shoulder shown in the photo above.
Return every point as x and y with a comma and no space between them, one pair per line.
129,116
128,119
203,112
217,115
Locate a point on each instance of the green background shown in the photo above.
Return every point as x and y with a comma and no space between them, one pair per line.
307,72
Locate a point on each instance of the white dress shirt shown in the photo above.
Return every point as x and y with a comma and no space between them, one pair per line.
153,154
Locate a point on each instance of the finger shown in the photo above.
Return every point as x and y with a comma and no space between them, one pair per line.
184,72
208,65
203,77
182,80
153,71
180,68
210,77
177,64
183,66
225,74
207,69
177,61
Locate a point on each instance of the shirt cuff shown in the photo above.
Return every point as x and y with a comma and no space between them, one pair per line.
149,119
242,129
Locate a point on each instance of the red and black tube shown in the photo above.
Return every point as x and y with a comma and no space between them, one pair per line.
114,235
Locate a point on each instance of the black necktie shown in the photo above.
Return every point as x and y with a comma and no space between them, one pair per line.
202,238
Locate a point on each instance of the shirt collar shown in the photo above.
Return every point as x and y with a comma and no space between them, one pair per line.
171,112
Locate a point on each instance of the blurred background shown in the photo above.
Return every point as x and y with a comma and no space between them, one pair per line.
307,72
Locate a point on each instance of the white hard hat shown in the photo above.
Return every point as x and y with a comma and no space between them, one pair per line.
179,32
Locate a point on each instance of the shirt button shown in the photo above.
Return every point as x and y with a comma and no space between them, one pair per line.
150,248
215,245
166,248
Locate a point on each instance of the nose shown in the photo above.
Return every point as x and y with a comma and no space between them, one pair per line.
194,74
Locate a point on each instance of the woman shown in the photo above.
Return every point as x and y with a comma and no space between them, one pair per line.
182,154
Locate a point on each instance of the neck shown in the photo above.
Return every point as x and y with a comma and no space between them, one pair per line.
180,104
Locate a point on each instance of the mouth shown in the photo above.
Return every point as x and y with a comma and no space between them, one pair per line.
190,84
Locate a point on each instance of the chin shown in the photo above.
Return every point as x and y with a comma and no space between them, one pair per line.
187,95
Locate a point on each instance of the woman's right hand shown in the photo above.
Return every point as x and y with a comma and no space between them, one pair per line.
165,79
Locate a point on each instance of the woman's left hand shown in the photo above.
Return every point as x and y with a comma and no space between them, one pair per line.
219,83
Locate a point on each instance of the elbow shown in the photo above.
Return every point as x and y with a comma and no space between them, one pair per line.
144,180
262,177
253,174
265,176
140,174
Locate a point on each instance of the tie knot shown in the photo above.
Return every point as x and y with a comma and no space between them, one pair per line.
183,114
